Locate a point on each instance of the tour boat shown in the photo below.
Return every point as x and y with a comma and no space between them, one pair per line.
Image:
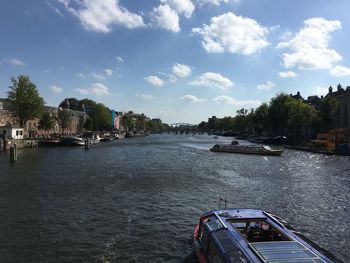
253,236
247,149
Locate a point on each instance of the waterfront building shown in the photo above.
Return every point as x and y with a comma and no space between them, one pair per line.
342,118
10,131
115,119
32,127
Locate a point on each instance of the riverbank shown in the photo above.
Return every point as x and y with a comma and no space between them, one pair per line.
5,145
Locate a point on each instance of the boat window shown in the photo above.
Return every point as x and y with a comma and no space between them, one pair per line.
258,230
229,247
214,255
214,225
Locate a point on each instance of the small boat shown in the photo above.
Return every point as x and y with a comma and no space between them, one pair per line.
108,138
246,149
94,139
253,236
49,142
72,141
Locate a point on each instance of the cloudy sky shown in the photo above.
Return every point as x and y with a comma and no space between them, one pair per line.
180,60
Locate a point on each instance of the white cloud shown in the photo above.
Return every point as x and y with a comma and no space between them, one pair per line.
171,78
309,47
81,75
181,70
185,7
56,89
267,86
287,74
82,91
235,102
146,96
192,98
101,15
340,71
214,2
155,81
13,61
98,76
233,34
165,17
97,89
212,80
108,72
119,59
55,9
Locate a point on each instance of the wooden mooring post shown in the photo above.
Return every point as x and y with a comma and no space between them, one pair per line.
1,145
13,153
86,146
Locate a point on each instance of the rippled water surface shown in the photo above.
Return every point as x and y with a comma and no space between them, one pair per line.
138,200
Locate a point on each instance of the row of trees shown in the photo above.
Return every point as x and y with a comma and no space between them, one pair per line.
283,115
99,114
27,104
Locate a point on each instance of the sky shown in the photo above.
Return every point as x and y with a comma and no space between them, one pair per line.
178,60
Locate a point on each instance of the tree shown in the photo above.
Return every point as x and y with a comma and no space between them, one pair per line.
45,122
261,120
102,117
127,121
279,112
26,103
70,103
89,125
327,109
301,115
64,119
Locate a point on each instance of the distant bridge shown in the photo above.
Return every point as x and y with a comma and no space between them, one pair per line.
179,124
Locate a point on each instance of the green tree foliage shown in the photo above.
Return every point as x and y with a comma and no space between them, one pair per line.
279,112
102,117
70,103
89,124
284,115
300,115
127,121
327,109
26,103
261,119
46,122
64,118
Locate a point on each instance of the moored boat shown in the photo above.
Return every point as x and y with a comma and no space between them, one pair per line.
253,236
246,149
72,141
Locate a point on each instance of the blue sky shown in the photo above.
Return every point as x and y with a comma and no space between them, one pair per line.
180,60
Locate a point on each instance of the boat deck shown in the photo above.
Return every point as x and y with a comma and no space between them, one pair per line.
252,235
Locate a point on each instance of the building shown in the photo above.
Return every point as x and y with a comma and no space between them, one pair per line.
5,113
32,127
10,131
115,120
342,118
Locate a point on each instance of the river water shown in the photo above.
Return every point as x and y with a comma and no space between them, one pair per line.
138,200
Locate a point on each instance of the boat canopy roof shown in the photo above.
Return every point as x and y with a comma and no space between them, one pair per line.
239,238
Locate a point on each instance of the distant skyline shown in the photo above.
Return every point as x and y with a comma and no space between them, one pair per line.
178,60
